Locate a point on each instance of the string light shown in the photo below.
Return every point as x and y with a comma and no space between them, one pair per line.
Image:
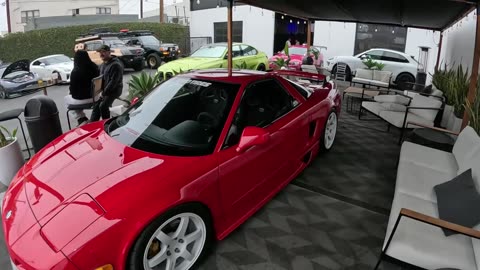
376,30
304,22
393,31
291,21
298,22
198,2
283,17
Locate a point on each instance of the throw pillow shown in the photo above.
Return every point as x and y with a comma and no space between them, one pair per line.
458,201
395,107
392,99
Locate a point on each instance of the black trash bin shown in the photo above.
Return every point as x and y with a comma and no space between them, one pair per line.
43,123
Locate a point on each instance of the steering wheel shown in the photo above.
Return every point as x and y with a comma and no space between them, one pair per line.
214,95
207,120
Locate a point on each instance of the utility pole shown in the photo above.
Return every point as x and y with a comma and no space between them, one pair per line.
161,12
9,25
141,9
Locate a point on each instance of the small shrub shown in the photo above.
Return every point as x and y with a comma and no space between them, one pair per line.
6,136
142,84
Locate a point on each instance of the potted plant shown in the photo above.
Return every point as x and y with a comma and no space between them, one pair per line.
474,112
11,158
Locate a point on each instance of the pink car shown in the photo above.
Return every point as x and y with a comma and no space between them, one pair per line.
297,53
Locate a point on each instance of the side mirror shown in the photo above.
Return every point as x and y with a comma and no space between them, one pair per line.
252,136
42,64
363,56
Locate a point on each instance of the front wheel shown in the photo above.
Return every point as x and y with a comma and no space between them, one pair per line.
329,132
261,67
153,60
178,240
3,93
405,81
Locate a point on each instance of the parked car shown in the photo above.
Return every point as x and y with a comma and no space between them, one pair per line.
58,65
155,50
242,137
402,66
215,56
17,78
297,55
130,57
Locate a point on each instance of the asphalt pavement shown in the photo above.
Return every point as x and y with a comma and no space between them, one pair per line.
57,94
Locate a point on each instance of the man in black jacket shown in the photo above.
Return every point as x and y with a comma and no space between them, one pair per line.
112,84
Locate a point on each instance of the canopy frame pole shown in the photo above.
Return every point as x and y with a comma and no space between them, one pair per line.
230,36
439,50
472,91
309,35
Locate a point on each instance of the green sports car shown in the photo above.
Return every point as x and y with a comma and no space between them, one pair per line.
215,56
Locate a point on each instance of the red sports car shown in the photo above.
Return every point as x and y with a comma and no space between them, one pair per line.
297,54
182,167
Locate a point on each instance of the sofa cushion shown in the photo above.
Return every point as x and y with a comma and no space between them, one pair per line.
382,76
389,106
417,180
429,157
392,99
467,142
396,119
364,74
422,101
425,245
379,83
373,107
472,161
458,201
362,80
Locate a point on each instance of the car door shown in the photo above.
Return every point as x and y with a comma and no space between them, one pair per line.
40,69
92,47
247,179
394,62
237,57
250,56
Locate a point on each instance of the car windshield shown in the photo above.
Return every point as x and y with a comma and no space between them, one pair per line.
181,117
114,42
149,40
297,50
210,52
18,75
56,60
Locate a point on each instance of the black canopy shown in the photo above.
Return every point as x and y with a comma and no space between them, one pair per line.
427,14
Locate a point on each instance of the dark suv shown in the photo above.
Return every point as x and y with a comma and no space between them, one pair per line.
155,50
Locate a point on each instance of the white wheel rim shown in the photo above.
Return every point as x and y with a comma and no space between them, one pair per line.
179,241
330,130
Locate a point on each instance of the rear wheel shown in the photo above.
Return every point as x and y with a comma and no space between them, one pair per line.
153,60
404,81
329,132
178,240
261,67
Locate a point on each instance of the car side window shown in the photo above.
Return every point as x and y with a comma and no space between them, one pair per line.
249,50
394,57
36,63
237,51
375,55
262,103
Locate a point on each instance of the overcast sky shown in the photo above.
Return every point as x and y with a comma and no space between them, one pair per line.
3,16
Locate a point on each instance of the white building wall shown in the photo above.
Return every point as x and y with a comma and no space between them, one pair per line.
338,37
459,42
3,18
56,8
425,38
258,25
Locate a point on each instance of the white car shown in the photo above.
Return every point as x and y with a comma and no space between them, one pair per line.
403,66
53,66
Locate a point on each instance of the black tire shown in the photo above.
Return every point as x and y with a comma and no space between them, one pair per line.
261,67
135,258
3,93
324,147
59,77
403,81
153,60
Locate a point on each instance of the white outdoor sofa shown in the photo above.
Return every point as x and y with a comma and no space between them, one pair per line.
399,109
370,77
414,235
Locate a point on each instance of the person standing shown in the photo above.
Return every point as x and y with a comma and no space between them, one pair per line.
112,83
84,70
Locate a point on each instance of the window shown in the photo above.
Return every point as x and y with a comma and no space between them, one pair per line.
393,57
369,36
28,15
262,103
248,50
220,31
302,91
93,45
75,11
375,54
210,51
104,10
237,52
181,117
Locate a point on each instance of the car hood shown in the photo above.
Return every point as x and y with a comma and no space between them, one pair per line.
22,65
75,161
190,63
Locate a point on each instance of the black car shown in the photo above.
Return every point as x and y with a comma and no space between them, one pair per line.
155,50
16,79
